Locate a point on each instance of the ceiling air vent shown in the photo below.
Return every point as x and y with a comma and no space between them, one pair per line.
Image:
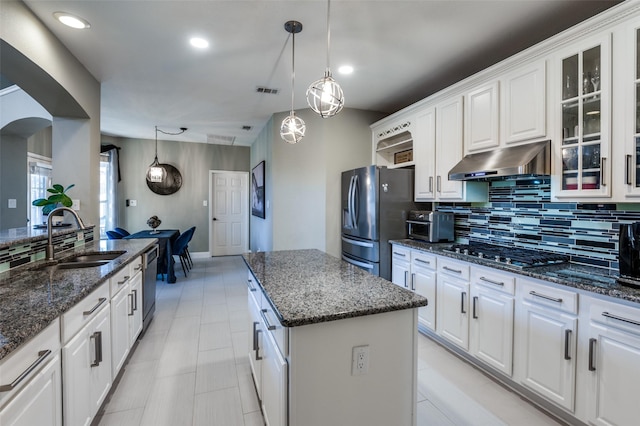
267,90
220,140
247,128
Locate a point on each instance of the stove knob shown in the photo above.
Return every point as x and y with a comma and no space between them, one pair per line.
480,255
457,249
466,251
508,260
497,257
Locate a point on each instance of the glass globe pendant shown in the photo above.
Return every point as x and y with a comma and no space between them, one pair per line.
292,128
325,96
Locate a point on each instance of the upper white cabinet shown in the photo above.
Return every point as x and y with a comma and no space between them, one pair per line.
582,84
481,118
523,103
423,155
393,143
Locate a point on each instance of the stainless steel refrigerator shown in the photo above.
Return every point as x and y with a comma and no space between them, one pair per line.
375,205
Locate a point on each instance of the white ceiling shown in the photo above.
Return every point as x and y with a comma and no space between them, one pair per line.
402,51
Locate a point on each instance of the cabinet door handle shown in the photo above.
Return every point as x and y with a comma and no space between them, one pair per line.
457,271
255,335
603,173
251,287
430,183
628,170
92,310
399,254
266,321
406,273
97,342
258,357
615,317
137,268
413,282
567,339
592,349
438,184
135,299
475,301
542,296
463,296
125,279
130,296
41,356
426,262
487,280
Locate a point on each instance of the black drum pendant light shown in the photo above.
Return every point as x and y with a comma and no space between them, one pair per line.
325,96
164,179
292,128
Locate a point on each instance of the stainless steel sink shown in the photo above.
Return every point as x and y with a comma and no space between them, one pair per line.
93,257
86,264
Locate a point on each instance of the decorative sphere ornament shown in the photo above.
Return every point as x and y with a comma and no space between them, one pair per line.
292,129
325,96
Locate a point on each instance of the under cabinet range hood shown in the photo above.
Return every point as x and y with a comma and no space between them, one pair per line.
533,159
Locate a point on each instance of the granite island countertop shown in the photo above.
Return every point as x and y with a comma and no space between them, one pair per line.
578,276
32,297
310,286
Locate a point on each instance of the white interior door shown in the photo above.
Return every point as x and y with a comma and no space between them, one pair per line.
229,230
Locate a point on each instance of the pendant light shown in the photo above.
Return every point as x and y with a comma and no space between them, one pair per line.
292,128
325,96
156,173
164,179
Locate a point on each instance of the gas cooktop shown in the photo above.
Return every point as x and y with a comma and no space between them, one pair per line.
513,256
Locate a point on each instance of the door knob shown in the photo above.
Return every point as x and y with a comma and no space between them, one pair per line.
215,218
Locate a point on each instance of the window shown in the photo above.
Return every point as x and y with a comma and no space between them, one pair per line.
39,180
107,195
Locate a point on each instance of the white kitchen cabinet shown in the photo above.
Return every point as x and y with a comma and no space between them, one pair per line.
86,366
393,142
423,153
274,384
492,304
256,336
135,312
523,109
30,382
611,348
583,102
545,336
453,301
401,266
481,130
119,330
423,282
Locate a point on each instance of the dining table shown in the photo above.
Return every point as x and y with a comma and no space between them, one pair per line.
166,239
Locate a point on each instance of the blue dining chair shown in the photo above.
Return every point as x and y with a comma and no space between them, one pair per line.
113,235
122,231
191,231
178,248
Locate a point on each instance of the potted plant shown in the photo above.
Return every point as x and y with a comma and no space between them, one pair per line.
57,198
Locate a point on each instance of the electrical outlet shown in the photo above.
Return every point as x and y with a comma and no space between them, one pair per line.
360,360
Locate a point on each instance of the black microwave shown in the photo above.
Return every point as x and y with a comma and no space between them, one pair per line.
432,227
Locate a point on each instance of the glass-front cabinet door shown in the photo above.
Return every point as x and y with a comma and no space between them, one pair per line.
585,99
632,154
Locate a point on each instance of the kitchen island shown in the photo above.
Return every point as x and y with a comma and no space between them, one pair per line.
330,343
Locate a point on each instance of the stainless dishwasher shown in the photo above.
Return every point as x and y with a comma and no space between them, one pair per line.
149,275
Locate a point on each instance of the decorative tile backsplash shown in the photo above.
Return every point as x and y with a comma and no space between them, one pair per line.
520,214
20,254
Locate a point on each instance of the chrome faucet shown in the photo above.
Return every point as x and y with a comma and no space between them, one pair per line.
50,227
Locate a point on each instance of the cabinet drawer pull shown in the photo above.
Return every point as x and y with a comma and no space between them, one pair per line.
627,179
430,183
413,282
567,339
130,296
475,301
463,296
426,262
126,278
592,349
92,310
405,279
251,287
615,317
266,321
487,280
542,296
457,271
258,357
97,341
397,253
255,335
41,356
138,268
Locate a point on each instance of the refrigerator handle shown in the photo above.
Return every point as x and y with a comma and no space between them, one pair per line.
355,201
350,202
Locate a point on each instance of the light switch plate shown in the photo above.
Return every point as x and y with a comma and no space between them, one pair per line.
12,203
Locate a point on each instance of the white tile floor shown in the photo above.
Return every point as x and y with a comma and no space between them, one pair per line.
191,367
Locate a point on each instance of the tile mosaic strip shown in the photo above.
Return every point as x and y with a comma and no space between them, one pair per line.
520,214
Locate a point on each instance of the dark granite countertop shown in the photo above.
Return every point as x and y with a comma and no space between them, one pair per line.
309,286
31,298
10,237
583,277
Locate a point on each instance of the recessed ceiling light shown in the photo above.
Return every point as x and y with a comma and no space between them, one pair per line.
198,42
345,69
71,20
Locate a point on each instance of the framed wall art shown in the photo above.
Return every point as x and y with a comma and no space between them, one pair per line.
257,190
